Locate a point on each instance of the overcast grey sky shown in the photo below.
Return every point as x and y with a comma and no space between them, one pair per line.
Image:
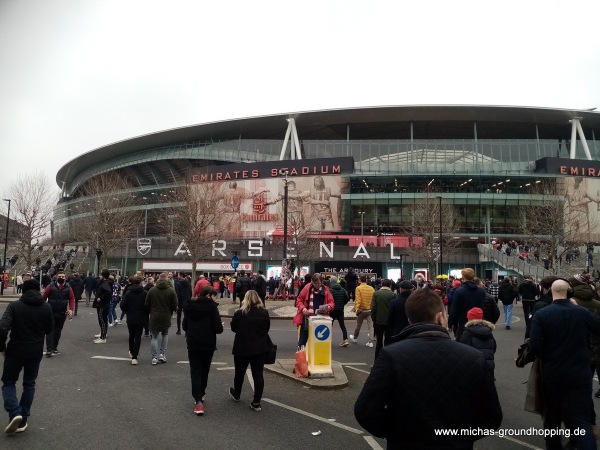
79,74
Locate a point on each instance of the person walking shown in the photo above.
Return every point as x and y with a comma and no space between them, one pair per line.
251,324
507,294
161,303
397,319
183,289
560,338
91,284
134,305
78,286
242,285
468,295
201,323
529,293
28,320
380,306
260,286
427,381
103,295
62,301
340,298
362,305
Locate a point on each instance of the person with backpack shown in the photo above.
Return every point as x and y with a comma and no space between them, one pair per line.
491,312
62,300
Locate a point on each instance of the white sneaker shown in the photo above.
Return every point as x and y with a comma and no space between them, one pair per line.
111,324
130,354
351,337
134,362
100,341
154,361
97,336
369,344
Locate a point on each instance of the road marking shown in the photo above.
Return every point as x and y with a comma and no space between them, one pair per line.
212,363
359,370
313,416
225,368
354,364
114,358
373,443
524,444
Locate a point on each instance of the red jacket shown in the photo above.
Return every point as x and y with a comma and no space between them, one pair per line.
199,285
303,299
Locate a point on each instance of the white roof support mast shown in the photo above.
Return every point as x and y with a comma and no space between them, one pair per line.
575,130
294,143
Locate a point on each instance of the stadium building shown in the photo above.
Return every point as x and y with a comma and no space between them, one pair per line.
354,176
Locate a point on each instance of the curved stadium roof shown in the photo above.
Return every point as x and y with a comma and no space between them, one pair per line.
387,122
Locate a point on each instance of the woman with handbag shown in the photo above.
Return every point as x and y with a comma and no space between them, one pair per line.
202,323
251,324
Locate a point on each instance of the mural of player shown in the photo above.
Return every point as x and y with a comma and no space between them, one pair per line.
320,199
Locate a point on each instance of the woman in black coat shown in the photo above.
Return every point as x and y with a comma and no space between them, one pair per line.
251,325
202,323
137,316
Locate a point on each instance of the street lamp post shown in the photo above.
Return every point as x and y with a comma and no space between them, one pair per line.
285,214
362,225
441,249
6,236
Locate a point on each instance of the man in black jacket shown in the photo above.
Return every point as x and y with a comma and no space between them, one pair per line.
260,286
425,382
559,337
397,320
242,285
529,293
62,300
77,284
28,320
183,289
468,295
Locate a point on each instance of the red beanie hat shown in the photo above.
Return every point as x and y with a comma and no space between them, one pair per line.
456,283
475,314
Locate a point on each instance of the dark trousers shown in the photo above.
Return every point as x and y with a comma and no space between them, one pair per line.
382,333
147,326
179,312
10,376
527,307
103,320
257,363
135,338
571,405
76,305
339,316
199,368
53,338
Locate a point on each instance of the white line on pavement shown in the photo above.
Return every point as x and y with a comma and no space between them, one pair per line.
524,444
373,443
213,363
359,370
114,358
313,416
225,368
353,364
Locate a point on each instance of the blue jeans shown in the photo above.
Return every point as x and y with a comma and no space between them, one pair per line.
508,314
10,376
112,312
156,348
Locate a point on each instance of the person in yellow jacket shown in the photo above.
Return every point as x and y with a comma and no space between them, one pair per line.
362,305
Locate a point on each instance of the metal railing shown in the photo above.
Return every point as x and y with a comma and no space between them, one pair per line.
521,266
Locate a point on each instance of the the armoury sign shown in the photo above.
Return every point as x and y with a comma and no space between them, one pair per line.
255,249
568,167
273,169
144,246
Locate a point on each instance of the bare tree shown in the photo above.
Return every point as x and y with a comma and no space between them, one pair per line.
32,200
111,215
423,231
191,212
555,218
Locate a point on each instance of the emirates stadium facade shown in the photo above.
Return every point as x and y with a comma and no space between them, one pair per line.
372,163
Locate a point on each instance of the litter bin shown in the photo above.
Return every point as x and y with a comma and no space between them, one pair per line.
318,348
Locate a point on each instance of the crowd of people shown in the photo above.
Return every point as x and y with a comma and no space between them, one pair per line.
421,331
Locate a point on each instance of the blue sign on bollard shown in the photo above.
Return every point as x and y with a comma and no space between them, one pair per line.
322,332
235,262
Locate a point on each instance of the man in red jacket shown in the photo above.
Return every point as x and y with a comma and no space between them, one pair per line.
200,284
313,299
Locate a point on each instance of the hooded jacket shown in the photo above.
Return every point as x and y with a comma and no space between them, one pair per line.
161,302
28,320
478,334
133,304
397,318
414,388
340,296
183,287
251,332
202,323
467,296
